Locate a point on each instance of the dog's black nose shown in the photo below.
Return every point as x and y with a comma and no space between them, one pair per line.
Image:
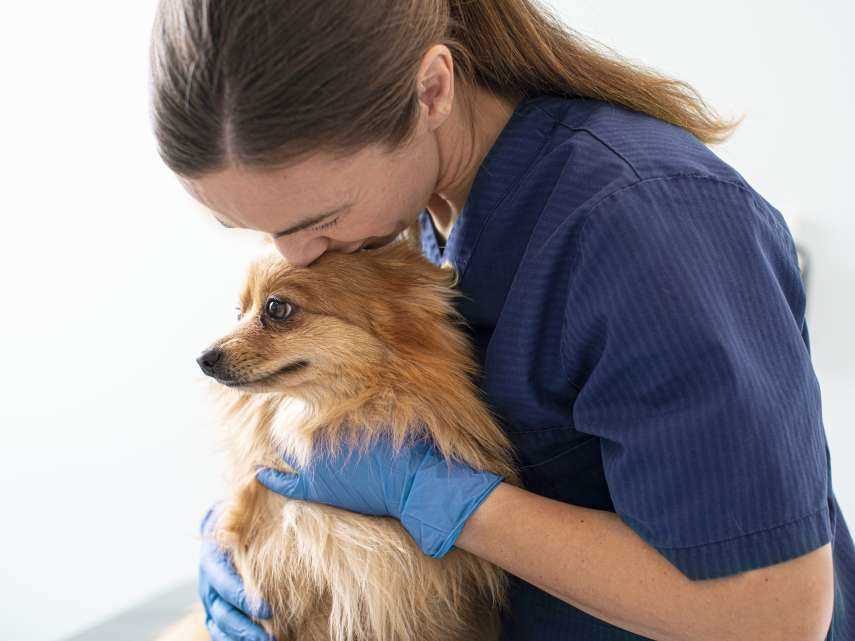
209,359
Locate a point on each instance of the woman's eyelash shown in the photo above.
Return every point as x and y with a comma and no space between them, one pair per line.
326,225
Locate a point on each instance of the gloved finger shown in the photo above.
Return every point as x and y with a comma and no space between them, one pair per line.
222,577
281,482
235,624
203,589
216,633
203,586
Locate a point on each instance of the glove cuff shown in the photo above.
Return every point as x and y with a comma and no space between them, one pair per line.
440,502
452,537
210,518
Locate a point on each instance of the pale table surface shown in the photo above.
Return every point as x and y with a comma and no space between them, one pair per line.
145,621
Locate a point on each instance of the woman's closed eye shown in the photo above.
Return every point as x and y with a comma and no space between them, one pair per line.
325,225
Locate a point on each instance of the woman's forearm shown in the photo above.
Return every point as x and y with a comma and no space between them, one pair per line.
594,561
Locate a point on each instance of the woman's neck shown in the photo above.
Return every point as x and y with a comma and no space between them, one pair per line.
460,158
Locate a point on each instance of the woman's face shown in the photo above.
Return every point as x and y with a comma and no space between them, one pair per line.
323,204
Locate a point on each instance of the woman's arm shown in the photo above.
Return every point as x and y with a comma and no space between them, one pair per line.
588,558
594,561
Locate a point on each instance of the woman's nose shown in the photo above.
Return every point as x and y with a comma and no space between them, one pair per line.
301,253
309,251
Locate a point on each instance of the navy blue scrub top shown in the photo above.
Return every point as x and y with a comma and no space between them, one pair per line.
639,316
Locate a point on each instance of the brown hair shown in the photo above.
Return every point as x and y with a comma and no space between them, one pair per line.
265,84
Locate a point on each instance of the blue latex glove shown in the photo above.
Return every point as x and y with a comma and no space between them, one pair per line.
222,592
415,487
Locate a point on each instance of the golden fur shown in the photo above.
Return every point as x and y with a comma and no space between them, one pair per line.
386,354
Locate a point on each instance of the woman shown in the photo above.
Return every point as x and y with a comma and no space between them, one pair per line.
635,305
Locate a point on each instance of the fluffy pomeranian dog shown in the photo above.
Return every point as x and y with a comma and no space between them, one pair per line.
352,346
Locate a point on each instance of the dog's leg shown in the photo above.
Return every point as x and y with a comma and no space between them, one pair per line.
235,523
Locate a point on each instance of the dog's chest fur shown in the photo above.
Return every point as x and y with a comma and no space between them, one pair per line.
334,575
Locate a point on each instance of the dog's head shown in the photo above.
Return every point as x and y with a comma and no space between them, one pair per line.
334,326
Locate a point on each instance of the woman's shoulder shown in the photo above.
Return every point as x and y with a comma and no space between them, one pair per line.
607,146
601,155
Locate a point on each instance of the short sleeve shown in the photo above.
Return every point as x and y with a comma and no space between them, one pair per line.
684,331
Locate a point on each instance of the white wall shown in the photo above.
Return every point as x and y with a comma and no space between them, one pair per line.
113,281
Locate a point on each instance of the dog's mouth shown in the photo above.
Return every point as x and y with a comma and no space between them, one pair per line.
293,367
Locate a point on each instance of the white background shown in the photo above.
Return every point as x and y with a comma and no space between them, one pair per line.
113,281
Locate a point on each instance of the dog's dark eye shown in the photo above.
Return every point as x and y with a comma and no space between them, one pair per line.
278,309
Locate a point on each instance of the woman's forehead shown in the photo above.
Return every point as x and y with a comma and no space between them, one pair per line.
321,173
239,197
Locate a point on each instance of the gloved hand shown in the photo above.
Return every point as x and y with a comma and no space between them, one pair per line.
414,487
222,592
